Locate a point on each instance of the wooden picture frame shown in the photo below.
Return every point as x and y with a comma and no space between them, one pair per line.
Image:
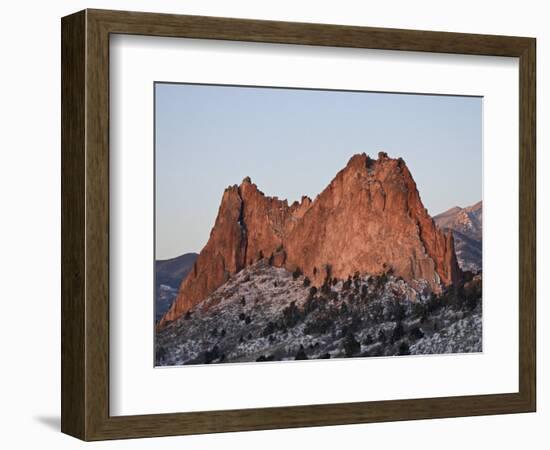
85,224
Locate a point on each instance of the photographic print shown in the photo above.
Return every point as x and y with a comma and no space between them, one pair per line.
303,224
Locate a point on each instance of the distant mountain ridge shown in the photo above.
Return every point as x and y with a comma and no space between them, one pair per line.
466,225
169,273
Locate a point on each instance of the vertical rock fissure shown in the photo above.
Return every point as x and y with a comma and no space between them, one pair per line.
244,232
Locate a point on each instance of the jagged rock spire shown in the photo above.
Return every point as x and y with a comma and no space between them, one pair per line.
369,219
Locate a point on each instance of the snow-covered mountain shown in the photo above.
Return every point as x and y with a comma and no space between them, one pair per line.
466,225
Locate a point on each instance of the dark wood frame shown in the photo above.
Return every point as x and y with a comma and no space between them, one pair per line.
85,224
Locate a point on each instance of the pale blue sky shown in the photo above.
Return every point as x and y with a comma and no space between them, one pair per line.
292,142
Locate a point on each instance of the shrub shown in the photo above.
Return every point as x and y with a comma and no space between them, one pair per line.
347,285
310,305
269,329
418,309
404,349
471,302
188,315
243,301
242,316
401,311
376,312
291,315
321,302
368,340
247,320
424,317
397,311
433,303
344,308
356,322
416,333
344,331
351,346
161,353
398,332
472,294
325,356
321,325
211,355
297,273
301,355
307,282
376,351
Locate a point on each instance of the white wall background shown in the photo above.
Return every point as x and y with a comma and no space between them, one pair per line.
30,225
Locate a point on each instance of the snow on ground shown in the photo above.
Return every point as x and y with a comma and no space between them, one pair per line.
267,313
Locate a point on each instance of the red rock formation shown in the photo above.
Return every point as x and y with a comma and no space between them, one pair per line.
369,219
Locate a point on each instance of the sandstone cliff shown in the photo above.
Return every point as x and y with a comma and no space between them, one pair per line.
369,219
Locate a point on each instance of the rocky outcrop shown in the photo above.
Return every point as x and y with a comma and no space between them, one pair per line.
369,219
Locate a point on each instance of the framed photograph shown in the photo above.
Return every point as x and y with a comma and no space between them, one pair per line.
267,224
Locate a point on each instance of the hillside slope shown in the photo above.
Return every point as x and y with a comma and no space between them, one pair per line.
266,313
